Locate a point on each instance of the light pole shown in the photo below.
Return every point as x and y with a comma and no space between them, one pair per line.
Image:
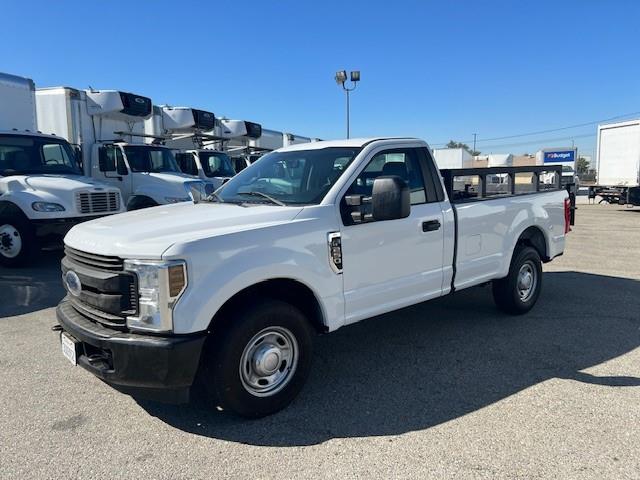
341,78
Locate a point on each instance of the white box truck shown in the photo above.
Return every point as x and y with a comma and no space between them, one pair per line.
186,131
42,190
108,127
618,162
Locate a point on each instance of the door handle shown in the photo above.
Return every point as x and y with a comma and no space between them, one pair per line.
430,225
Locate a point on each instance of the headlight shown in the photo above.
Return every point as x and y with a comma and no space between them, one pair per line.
47,207
160,285
177,199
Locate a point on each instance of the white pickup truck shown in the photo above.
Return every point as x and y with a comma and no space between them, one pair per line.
308,239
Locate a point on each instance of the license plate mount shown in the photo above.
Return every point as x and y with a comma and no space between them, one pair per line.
69,347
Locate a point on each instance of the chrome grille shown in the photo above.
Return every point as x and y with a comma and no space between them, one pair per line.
101,262
109,294
98,202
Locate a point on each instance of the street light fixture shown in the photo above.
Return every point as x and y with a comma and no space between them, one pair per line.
341,78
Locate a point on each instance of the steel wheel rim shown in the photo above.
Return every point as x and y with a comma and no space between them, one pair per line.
527,281
269,361
10,241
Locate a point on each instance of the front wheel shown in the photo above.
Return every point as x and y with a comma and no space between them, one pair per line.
518,292
17,241
259,363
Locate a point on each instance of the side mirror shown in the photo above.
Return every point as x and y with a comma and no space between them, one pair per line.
390,199
105,162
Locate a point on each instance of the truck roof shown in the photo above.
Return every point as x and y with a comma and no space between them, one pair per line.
351,142
30,133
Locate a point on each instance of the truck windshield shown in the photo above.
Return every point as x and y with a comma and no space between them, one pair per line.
298,177
216,164
29,155
147,158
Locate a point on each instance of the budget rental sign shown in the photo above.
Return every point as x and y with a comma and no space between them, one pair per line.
560,156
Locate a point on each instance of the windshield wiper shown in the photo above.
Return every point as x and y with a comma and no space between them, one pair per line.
214,196
264,195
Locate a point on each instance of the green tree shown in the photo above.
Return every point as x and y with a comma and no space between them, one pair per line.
582,166
454,144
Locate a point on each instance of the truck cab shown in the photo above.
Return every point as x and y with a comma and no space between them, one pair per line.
147,175
108,128
43,191
214,166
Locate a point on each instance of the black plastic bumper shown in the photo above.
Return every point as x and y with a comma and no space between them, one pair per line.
54,229
145,366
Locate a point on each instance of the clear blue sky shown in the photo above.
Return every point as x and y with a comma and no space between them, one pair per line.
437,70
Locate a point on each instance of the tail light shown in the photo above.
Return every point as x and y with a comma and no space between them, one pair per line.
567,215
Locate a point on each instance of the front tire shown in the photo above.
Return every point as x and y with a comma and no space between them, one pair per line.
260,361
17,241
518,292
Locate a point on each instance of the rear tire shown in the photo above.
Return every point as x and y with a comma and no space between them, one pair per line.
258,364
518,292
17,241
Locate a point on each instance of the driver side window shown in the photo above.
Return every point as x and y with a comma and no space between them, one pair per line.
403,163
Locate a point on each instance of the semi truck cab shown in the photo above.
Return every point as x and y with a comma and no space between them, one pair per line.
43,191
147,175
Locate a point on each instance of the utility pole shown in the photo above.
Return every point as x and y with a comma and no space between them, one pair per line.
474,142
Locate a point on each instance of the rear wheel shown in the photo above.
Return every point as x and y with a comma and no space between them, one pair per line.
518,292
17,241
260,361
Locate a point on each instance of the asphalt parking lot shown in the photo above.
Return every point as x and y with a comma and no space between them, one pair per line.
451,388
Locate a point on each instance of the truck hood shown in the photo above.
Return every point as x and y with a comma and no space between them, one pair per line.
149,232
176,178
57,185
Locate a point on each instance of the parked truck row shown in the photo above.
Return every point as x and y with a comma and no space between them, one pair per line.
68,155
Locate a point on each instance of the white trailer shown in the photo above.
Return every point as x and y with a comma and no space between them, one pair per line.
109,128
186,130
42,190
452,158
618,162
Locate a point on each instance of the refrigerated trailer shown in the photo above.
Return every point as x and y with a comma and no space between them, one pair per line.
186,130
42,190
108,128
618,163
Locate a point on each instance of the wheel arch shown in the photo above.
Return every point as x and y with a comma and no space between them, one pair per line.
534,237
138,201
288,290
11,209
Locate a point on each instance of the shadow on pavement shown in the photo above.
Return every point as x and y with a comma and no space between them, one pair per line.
31,288
427,364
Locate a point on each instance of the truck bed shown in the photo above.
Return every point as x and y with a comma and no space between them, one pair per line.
491,207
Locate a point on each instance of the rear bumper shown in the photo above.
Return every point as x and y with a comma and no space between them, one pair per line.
145,366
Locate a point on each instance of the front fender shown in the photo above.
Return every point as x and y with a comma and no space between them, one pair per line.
23,199
220,267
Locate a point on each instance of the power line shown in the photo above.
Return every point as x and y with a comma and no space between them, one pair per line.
531,142
539,132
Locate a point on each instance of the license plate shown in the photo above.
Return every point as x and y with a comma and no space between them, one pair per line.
69,347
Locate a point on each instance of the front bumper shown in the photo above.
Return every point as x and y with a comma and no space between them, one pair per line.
145,366
52,230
